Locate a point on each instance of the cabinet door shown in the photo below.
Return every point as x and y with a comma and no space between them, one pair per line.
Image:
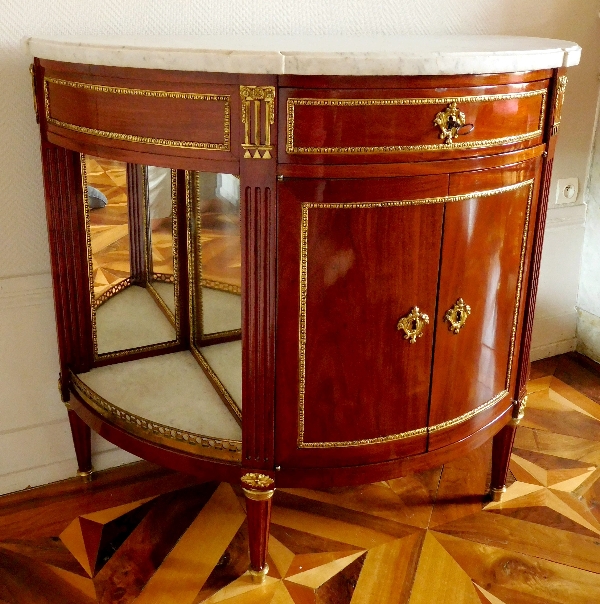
485,246
354,257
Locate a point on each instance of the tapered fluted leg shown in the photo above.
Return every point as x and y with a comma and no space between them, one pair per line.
501,450
82,440
259,496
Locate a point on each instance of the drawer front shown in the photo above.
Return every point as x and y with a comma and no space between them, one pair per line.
359,126
142,115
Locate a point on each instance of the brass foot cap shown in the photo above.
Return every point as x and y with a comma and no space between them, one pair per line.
87,475
258,576
496,494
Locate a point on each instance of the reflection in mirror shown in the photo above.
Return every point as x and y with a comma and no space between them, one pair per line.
125,313
225,360
161,271
217,263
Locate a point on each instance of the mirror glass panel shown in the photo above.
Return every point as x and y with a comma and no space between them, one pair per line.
217,265
127,313
215,228
225,360
159,190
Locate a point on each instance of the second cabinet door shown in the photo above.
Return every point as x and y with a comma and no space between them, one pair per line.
356,256
485,245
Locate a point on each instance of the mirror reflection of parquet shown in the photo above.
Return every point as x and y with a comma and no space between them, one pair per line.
430,538
221,247
109,229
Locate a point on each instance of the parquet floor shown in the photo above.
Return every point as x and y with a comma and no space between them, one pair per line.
144,535
109,231
109,228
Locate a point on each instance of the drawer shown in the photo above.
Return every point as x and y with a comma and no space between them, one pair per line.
184,117
370,125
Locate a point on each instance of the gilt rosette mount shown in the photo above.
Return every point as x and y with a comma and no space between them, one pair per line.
413,324
457,316
258,487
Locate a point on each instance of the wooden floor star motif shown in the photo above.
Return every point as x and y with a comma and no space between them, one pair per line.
109,232
428,538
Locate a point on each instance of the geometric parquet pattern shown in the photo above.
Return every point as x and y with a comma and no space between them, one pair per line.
109,228
221,246
431,538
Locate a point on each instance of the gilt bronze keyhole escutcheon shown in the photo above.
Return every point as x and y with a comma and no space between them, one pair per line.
451,121
457,315
413,324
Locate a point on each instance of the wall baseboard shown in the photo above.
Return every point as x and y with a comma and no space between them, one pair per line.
588,335
548,330
19,292
62,470
551,350
49,455
35,440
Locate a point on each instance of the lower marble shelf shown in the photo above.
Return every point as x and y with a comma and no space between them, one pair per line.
131,319
169,399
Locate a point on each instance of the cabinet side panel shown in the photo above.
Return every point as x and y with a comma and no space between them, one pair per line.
553,117
533,279
68,250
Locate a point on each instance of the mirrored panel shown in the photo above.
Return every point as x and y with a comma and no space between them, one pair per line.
127,313
217,261
224,361
159,189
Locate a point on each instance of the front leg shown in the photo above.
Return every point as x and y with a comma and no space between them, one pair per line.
501,450
82,441
258,491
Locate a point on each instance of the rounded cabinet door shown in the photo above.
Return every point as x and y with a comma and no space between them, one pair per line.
358,269
482,280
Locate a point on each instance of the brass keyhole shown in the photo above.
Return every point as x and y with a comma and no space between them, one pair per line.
412,324
453,123
457,316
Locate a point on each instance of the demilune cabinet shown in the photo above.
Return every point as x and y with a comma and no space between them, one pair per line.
294,279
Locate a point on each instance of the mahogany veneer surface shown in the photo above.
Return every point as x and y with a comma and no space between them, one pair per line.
332,264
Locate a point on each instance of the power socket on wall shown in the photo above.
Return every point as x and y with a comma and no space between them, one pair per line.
567,190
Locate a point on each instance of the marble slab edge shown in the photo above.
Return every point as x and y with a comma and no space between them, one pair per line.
267,61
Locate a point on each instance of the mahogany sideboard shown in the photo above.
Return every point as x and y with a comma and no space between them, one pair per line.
340,285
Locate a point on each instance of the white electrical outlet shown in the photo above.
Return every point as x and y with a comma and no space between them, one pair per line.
567,190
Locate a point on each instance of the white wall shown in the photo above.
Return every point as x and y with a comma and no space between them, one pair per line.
588,322
34,440
555,326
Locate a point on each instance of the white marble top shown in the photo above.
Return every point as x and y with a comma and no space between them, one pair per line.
313,55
